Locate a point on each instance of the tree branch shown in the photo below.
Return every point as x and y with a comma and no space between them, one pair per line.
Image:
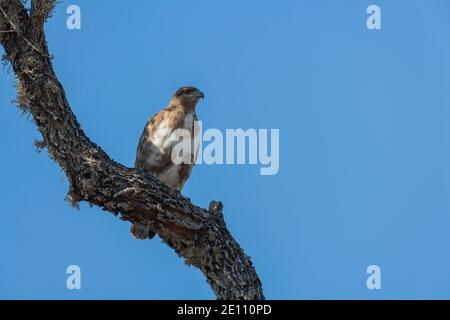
199,236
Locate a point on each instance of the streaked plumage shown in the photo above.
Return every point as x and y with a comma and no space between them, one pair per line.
156,143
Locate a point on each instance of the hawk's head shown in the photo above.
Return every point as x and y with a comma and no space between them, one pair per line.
189,96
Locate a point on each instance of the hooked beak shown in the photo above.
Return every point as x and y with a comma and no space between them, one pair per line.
200,95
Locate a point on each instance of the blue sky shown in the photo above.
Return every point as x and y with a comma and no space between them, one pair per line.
364,119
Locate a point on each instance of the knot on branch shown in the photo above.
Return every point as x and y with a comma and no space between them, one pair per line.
216,210
216,207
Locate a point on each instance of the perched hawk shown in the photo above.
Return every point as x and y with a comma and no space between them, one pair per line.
154,152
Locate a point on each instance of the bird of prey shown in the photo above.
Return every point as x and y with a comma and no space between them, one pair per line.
154,152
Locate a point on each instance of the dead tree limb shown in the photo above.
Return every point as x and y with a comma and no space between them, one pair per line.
199,236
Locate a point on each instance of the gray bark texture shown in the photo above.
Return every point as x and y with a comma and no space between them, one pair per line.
198,235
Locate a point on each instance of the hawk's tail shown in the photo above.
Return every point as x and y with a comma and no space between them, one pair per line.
141,231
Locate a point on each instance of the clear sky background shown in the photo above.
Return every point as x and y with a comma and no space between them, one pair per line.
364,119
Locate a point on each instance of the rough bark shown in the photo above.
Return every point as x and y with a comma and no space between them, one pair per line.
199,236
